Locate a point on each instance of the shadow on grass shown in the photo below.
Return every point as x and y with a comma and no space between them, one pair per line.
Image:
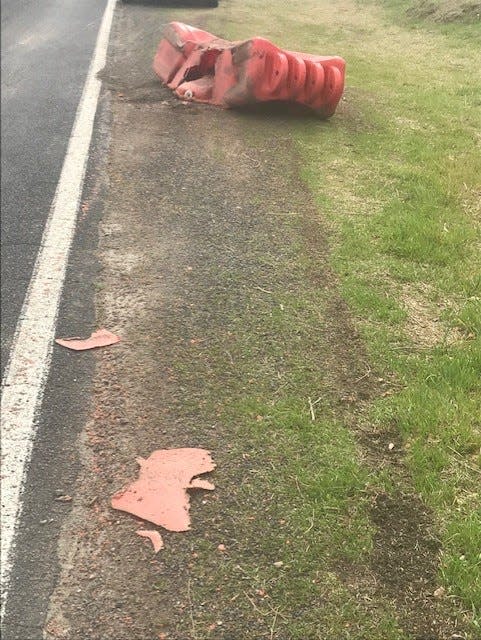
277,110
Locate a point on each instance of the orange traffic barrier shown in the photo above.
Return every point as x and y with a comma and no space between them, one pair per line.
198,66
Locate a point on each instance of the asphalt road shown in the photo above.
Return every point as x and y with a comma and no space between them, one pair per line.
46,49
47,46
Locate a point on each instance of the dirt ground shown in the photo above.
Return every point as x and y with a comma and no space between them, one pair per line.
202,219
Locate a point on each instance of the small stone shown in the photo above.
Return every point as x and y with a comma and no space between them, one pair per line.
439,593
65,498
278,564
391,446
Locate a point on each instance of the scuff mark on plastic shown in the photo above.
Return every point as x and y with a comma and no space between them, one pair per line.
154,537
160,493
100,338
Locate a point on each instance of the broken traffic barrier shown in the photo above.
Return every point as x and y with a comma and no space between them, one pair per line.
201,67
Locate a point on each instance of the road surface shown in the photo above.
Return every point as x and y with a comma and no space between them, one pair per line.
46,50
47,47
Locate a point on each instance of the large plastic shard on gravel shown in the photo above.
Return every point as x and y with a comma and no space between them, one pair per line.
199,66
100,338
160,493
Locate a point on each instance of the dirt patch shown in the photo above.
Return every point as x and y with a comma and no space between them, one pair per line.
446,10
424,324
221,240
405,555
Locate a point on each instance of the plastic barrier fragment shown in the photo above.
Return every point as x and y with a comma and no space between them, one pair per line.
154,537
160,493
100,338
201,67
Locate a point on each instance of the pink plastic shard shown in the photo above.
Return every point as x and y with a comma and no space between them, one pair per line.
154,537
198,483
160,494
100,338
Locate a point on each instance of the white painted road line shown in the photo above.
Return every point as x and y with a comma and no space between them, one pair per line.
28,366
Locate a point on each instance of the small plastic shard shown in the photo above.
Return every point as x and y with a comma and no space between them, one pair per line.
199,483
160,494
100,338
154,537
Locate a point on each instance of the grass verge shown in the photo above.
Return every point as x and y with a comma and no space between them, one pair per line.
397,174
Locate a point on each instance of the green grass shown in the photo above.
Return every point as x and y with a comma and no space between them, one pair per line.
397,172
441,12
427,231
424,229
